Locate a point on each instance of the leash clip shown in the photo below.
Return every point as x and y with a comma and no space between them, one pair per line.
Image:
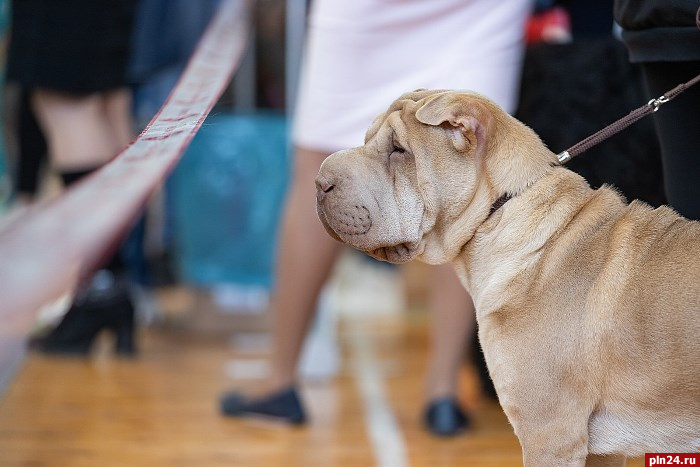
564,157
656,103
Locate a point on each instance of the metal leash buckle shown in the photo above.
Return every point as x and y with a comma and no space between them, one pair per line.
564,157
656,103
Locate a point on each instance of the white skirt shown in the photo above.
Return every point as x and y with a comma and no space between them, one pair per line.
362,54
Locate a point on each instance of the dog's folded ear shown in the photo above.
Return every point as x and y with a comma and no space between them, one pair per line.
453,109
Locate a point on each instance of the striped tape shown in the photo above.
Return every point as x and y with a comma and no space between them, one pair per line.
46,251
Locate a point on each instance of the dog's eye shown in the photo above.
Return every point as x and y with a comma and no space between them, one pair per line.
398,149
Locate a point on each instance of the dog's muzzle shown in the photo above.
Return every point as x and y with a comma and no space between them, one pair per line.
338,217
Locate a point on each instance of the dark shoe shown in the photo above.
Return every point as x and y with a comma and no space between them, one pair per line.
105,304
443,417
284,406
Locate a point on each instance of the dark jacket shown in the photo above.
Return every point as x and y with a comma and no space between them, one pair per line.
659,30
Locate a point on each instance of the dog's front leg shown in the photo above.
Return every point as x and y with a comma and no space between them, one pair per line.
549,412
552,433
606,461
552,452
556,447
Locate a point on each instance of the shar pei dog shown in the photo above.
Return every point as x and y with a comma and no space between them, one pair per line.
588,307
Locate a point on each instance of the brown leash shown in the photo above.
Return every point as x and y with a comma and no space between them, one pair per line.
649,108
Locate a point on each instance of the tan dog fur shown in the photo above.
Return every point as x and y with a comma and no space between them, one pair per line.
588,307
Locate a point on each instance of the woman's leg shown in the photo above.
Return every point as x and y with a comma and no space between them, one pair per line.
81,138
305,258
117,110
78,133
453,322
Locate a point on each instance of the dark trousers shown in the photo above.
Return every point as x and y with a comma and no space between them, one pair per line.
678,127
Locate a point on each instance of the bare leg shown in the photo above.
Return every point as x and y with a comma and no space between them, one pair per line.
78,133
117,109
306,255
81,138
452,325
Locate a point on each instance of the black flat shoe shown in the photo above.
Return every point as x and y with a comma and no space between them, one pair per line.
443,417
104,305
283,406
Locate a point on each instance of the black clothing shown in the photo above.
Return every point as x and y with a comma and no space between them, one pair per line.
664,37
677,128
74,46
659,30
32,149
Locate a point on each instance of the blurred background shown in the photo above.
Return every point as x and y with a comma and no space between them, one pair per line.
199,265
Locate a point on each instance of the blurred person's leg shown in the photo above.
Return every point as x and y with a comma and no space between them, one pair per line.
82,137
453,322
677,126
453,325
76,127
305,258
117,110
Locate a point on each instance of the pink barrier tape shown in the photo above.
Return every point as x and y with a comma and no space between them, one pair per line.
48,250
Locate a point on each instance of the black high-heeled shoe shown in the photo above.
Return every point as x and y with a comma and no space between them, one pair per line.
104,305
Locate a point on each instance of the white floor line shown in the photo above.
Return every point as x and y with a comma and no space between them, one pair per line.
384,432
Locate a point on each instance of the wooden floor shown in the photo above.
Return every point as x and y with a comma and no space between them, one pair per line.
160,409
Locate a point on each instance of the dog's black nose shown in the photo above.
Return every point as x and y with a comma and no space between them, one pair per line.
323,184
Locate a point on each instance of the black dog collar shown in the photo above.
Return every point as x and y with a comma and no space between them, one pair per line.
499,203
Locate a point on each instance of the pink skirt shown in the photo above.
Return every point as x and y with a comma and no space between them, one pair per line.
362,54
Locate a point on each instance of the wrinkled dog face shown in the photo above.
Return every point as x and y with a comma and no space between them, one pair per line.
390,198
367,197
